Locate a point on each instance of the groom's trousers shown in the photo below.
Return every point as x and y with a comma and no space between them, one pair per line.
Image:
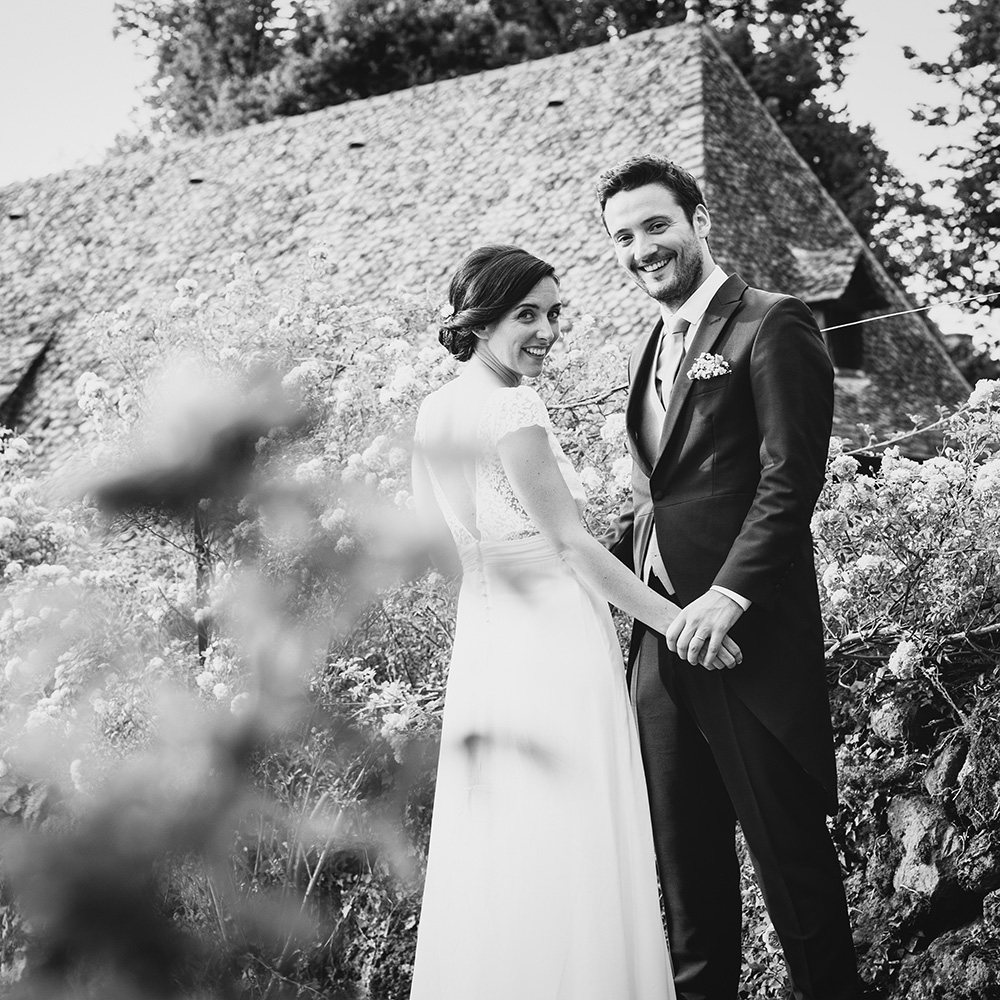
710,762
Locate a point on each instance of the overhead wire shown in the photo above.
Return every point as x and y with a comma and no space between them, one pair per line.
907,312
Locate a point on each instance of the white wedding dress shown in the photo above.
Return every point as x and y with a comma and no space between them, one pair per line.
541,879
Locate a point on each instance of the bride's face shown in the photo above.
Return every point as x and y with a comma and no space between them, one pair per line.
523,337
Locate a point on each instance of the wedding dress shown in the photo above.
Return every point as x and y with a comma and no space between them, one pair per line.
541,877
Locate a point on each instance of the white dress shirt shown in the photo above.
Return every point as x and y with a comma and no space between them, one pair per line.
692,310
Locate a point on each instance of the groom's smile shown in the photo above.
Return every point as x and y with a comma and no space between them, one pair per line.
656,265
664,252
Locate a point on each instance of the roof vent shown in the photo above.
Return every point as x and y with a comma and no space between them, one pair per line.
556,102
17,212
196,179
356,144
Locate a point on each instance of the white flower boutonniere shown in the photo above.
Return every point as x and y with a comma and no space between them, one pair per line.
708,366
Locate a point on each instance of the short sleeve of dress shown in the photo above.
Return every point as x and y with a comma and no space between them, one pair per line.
508,410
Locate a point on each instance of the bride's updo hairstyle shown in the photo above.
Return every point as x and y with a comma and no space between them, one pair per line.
489,282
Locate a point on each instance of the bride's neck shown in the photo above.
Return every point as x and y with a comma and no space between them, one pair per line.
486,357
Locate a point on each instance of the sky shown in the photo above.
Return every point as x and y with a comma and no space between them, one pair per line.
882,88
68,88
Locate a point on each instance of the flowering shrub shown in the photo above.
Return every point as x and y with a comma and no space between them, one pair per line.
270,571
909,572
915,544
325,394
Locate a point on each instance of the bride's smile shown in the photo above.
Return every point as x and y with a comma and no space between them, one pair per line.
522,338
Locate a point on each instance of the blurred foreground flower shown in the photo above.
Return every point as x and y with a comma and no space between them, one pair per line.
197,440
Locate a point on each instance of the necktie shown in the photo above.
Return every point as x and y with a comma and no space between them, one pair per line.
671,356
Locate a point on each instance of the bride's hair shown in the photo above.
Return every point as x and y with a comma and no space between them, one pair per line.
489,282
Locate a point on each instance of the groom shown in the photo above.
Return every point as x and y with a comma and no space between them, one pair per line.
728,416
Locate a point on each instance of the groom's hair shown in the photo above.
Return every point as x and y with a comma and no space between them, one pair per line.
489,282
638,171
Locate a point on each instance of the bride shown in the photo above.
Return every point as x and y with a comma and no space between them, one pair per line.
541,881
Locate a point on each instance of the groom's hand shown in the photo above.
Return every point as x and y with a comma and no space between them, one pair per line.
699,634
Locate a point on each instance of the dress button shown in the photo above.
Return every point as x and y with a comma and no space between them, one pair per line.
658,494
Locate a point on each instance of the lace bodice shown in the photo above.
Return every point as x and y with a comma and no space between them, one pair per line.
499,515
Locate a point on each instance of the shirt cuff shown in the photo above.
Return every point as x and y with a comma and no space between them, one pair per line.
741,601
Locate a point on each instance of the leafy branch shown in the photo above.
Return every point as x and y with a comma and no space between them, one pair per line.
592,401
906,435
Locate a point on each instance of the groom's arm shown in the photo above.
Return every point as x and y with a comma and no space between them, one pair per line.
791,378
792,384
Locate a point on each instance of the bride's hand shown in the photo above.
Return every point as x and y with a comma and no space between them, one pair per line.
729,656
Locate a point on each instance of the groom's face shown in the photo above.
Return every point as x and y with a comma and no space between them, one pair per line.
664,253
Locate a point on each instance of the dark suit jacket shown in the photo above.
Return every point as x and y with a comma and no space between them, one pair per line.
730,495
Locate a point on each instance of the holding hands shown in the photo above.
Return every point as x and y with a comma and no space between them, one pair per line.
700,632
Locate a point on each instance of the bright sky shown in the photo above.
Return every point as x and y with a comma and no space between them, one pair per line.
881,86
66,88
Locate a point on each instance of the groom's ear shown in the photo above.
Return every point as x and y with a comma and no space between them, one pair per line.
701,222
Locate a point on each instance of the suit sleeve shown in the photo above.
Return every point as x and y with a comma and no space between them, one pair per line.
791,379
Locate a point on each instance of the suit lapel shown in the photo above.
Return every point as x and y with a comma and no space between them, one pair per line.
722,306
645,361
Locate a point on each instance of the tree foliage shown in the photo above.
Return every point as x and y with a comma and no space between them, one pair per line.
205,52
946,238
971,175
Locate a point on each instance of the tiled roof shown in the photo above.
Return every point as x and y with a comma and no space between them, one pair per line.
17,354
824,273
401,185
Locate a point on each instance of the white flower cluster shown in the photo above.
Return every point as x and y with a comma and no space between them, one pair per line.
14,452
391,708
905,660
93,394
985,393
591,479
844,467
219,674
987,482
402,379
621,473
613,429
186,302
708,366
311,471
303,378
388,325
382,464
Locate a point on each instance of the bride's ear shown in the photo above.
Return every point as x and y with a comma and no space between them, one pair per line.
482,332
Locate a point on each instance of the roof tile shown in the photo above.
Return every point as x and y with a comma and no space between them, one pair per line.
444,167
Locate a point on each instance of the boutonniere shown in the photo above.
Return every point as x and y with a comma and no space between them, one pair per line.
708,366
